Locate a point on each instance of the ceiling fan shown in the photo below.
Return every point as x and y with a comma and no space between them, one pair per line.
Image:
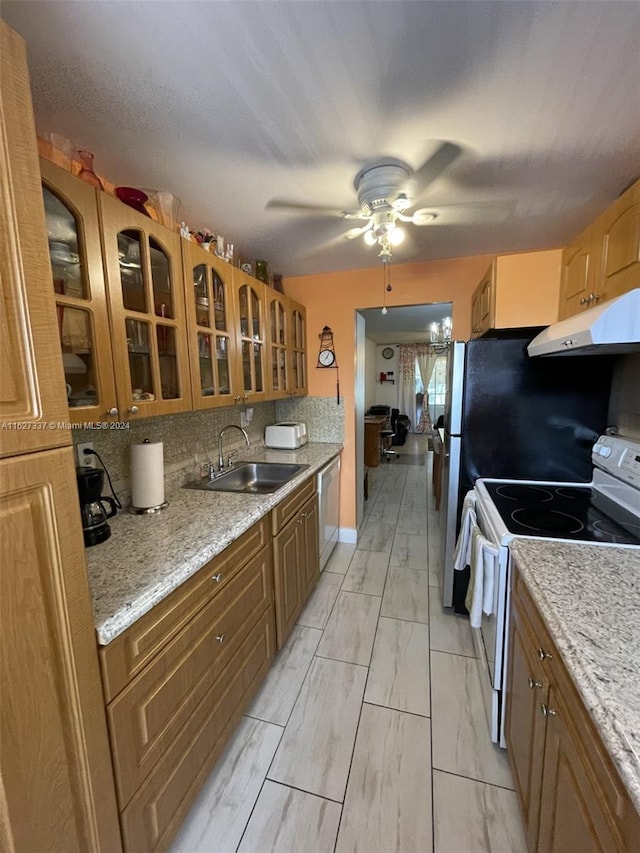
387,188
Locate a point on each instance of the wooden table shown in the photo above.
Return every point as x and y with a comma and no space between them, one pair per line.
373,424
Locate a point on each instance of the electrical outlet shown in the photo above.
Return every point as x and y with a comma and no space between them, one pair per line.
244,417
88,460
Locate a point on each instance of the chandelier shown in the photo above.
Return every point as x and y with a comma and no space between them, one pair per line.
440,333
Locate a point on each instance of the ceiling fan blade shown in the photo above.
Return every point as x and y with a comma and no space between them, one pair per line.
434,167
317,209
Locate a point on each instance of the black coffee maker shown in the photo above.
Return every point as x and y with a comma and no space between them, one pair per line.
92,505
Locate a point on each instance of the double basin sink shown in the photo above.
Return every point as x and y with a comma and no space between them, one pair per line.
251,478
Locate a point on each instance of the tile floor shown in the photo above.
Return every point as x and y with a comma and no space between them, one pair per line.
369,734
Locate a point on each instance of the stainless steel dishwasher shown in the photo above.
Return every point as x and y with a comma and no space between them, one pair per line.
329,500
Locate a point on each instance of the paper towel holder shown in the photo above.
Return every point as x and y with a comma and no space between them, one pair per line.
148,510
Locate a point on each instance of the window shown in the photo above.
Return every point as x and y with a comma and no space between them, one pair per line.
438,388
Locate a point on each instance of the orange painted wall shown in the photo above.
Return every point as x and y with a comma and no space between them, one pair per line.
331,299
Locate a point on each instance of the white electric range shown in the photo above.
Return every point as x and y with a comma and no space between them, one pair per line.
604,512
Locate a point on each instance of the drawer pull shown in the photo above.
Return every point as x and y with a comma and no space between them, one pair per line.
547,711
217,578
300,520
544,655
220,638
534,685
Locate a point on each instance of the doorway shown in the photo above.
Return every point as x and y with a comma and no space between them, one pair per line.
384,378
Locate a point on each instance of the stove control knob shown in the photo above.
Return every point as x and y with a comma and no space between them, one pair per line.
606,452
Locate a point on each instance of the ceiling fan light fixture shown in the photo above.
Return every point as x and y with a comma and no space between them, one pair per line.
370,238
396,236
423,216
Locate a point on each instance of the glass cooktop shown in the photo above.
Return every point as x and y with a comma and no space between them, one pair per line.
564,512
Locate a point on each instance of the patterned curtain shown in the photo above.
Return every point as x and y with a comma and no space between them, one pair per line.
407,381
426,359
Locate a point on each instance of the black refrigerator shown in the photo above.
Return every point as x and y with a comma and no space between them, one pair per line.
515,417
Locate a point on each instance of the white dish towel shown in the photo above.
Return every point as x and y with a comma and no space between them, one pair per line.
462,553
483,561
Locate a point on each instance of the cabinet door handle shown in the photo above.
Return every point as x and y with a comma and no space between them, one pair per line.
534,685
217,578
112,412
547,711
220,638
133,410
300,521
544,655
584,300
595,296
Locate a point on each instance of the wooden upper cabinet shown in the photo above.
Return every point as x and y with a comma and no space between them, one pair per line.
580,264
298,350
517,291
280,340
211,327
621,245
77,280
251,337
32,387
604,260
143,264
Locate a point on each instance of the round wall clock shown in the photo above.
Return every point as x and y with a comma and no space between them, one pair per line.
387,352
326,358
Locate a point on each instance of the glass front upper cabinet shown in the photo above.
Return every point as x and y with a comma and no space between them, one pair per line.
250,325
210,327
298,351
278,344
146,290
78,284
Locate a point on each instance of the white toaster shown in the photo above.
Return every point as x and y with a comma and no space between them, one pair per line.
286,435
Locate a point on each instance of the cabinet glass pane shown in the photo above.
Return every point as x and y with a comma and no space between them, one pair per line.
67,264
169,383
274,369
255,314
272,321
219,303
222,361
76,337
302,379
281,322
206,365
138,344
243,302
201,295
257,358
246,366
131,278
296,378
161,280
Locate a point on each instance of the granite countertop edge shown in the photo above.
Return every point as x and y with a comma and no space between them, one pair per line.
149,556
583,624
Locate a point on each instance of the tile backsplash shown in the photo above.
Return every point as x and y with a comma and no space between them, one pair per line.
192,434
323,416
183,436
624,403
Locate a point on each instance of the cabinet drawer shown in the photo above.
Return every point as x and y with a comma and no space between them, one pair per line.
287,508
125,657
157,809
151,712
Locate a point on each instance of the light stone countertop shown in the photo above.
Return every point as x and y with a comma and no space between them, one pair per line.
589,598
148,556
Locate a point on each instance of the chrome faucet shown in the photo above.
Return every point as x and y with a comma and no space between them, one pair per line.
220,434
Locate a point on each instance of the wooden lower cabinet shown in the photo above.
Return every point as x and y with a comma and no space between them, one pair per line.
296,566
159,806
190,668
571,795
573,815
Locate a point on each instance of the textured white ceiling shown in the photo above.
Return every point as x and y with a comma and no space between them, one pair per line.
230,104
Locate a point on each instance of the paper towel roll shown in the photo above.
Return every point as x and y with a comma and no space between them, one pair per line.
147,475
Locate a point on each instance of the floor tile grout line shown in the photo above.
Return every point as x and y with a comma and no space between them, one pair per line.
397,710
303,791
473,779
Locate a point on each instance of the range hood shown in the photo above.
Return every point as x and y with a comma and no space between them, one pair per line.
612,327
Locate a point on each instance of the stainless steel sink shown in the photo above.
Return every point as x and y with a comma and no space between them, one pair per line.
251,478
